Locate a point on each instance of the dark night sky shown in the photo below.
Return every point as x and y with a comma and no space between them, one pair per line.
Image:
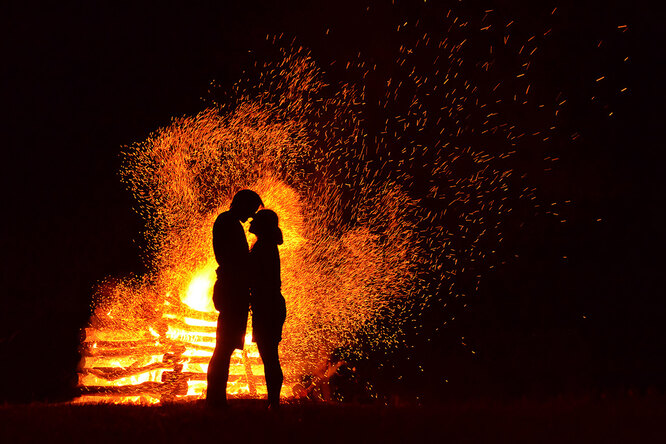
78,82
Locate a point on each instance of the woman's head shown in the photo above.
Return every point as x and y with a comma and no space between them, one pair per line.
265,226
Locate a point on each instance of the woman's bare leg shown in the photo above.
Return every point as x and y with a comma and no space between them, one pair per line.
272,370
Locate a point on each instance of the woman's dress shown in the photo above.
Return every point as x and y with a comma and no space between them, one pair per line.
268,307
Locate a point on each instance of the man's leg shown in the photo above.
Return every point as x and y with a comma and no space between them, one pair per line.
218,375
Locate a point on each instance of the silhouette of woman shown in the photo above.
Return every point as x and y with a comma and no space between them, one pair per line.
268,307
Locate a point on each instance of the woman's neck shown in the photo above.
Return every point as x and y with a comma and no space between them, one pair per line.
263,243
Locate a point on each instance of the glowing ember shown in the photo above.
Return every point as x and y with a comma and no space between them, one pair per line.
368,221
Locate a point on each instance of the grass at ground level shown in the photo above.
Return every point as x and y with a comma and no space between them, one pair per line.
559,421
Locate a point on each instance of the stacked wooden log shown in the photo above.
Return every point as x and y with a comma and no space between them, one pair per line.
162,358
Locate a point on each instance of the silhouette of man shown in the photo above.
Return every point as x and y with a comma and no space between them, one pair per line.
231,294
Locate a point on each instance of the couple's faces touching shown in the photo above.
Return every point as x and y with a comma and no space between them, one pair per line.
254,224
244,213
244,204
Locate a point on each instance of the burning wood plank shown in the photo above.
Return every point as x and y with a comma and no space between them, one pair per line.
167,360
111,374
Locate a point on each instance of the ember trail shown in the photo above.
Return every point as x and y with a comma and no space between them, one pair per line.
370,221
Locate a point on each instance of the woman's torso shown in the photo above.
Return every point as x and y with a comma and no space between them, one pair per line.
264,276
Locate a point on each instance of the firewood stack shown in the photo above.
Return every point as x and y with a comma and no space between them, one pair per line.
161,357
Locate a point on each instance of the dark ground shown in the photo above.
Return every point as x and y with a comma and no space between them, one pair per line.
558,421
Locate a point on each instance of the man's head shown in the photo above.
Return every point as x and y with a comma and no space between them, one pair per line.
245,203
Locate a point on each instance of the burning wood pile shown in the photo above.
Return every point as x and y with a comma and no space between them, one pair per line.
151,337
350,253
161,358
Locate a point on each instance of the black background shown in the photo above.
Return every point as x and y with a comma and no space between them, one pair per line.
80,81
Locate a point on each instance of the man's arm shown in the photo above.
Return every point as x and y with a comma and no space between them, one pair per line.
229,244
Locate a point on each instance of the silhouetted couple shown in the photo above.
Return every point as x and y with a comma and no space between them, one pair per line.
247,278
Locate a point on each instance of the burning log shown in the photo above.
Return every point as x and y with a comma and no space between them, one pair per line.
248,373
111,374
235,360
145,388
175,383
122,351
183,311
163,360
183,325
117,344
